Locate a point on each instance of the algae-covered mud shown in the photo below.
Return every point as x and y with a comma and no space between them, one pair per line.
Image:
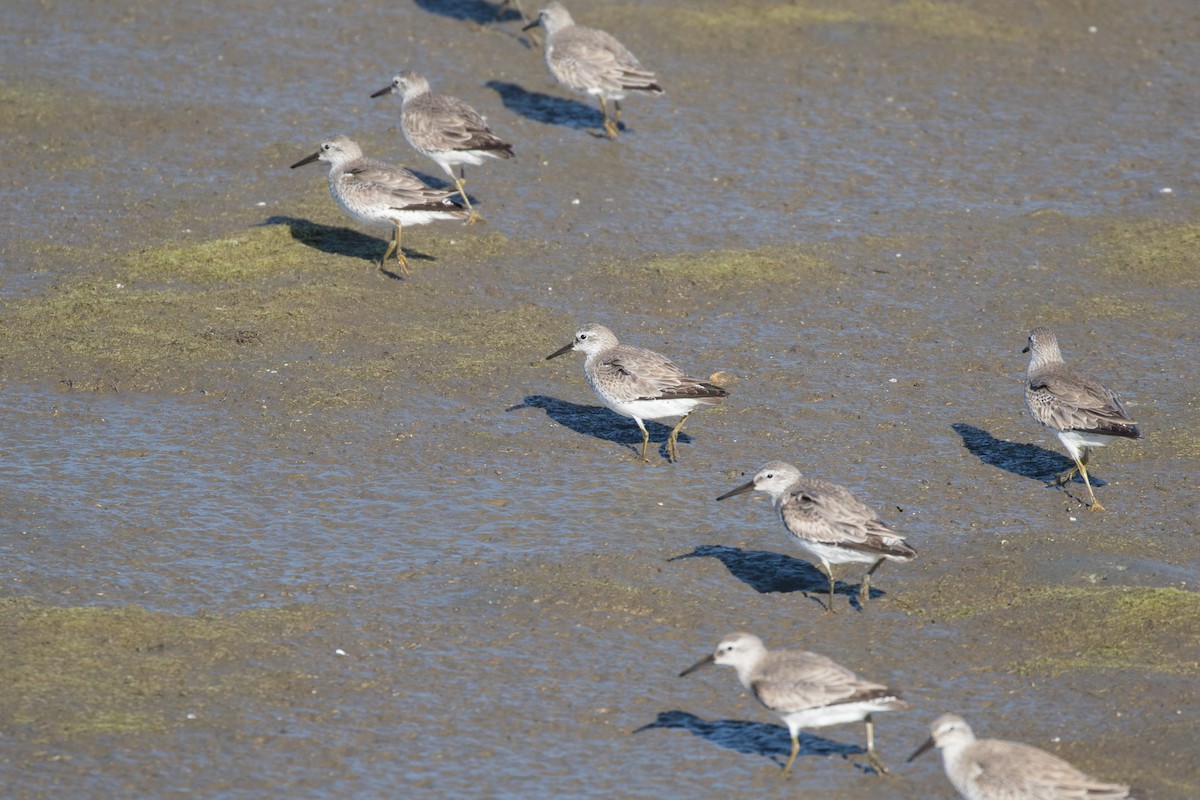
279,524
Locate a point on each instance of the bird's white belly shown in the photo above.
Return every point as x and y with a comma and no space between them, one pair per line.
832,554
652,409
832,715
1073,440
370,216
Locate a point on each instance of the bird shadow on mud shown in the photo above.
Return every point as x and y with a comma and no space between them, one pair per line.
548,109
1023,459
486,15
340,241
752,738
766,572
481,12
601,423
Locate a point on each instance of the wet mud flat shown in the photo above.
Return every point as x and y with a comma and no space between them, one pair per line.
280,525
485,576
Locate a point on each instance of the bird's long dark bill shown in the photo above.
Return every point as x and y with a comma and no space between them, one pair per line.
928,744
533,24
704,662
307,160
745,487
565,348
383,91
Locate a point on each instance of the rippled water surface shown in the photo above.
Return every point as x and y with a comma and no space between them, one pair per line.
482,592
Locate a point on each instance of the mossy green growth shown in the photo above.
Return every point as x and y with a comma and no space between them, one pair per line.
1105,306
948,20
298,299
1074,628
264,251
943,19
766,16
713,268
1152,252
77,671
166,317
1152,630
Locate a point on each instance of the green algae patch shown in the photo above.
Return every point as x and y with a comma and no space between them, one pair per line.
126,333
1060,629
78,671
265,251
735,16
948,20
1155,253
298,300
731,268
1155,630
940,19
1104,306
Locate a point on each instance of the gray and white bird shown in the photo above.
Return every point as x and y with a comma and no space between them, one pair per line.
639,383
445,129
993,769
592,62
1075,405
805,689
380,195
828,521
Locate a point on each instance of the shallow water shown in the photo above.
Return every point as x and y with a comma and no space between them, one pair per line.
497,596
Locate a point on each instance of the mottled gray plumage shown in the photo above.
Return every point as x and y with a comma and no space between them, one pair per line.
592,62
1075,405
444,129
828,521
805,689
380,195
639,383
992,769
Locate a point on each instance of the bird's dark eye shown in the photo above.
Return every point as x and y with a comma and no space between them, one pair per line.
770,475
582,336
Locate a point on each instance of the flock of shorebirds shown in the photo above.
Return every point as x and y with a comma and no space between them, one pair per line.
825,519
452,133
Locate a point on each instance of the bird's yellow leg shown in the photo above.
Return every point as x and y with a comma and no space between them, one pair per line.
672,440
829,604
610,127
1095,506
872,756
787,768
459,183
645,439
394,246
1080,464
864,590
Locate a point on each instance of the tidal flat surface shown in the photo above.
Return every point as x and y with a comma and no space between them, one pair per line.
277,525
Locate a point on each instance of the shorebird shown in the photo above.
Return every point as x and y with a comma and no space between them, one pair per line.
828,521
639,383
805,689
592,62
1075,405
993,769
380,195
445,129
